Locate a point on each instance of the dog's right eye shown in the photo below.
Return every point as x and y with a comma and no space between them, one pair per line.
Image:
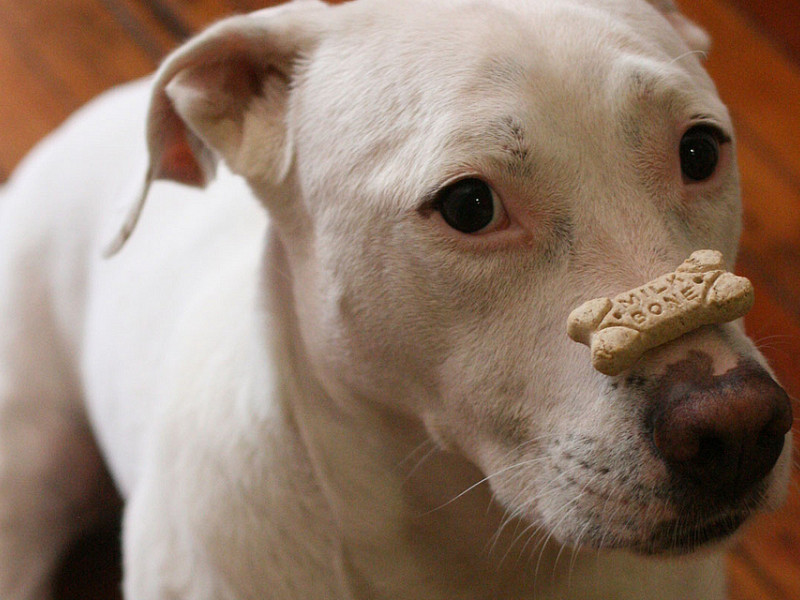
469,205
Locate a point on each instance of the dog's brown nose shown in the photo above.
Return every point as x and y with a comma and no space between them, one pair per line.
723,433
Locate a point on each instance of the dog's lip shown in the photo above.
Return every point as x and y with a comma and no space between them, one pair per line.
688,533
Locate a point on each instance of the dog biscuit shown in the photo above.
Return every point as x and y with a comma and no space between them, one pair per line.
699,292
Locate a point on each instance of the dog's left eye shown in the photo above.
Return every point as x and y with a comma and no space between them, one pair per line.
699,152
468,205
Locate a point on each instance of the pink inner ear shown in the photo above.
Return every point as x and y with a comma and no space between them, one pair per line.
178,162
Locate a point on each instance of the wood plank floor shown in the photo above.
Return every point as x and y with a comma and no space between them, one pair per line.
57,54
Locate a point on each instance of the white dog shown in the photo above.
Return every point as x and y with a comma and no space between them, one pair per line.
373,395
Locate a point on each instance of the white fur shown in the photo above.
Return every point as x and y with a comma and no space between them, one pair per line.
354,401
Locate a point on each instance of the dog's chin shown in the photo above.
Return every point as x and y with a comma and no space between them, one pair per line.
702,524
670,537
666,528
682,536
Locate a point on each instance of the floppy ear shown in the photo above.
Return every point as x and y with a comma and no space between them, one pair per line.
694,35
223,95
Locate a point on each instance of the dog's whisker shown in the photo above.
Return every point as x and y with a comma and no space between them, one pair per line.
558,558
544,546
768,339
611,519
431,451
536,441
523,508
515,515
506,519
654,507
577,548
777,344
417,449
528,533
569,509
538,548
482,481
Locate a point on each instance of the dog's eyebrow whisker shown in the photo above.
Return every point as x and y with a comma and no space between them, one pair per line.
702,53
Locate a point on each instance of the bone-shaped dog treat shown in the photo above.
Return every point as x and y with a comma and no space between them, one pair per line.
699,292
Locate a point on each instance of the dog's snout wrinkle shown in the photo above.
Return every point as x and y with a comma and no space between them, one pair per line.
723,433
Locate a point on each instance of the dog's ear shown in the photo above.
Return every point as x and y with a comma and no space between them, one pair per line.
695,36
223,95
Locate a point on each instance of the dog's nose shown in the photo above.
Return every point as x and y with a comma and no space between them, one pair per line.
723,433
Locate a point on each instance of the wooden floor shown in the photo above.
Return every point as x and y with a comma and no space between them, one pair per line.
56,54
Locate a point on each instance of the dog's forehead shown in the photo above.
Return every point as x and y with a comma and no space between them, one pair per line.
418,86
443,55
468,29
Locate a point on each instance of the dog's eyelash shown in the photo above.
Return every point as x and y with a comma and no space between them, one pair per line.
708,122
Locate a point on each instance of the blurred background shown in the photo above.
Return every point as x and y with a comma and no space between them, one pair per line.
57,54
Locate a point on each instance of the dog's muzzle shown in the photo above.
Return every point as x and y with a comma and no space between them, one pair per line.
720,435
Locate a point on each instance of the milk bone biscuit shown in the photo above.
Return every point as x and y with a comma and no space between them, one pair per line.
699,292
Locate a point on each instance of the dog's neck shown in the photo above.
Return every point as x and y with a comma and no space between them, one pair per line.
392,493
411,520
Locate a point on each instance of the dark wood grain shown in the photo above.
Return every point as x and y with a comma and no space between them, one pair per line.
777,19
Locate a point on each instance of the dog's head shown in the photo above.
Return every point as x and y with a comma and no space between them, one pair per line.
449,179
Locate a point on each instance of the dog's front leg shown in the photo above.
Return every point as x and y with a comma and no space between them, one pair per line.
49,492
159,563
52,481
176,503
225,506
